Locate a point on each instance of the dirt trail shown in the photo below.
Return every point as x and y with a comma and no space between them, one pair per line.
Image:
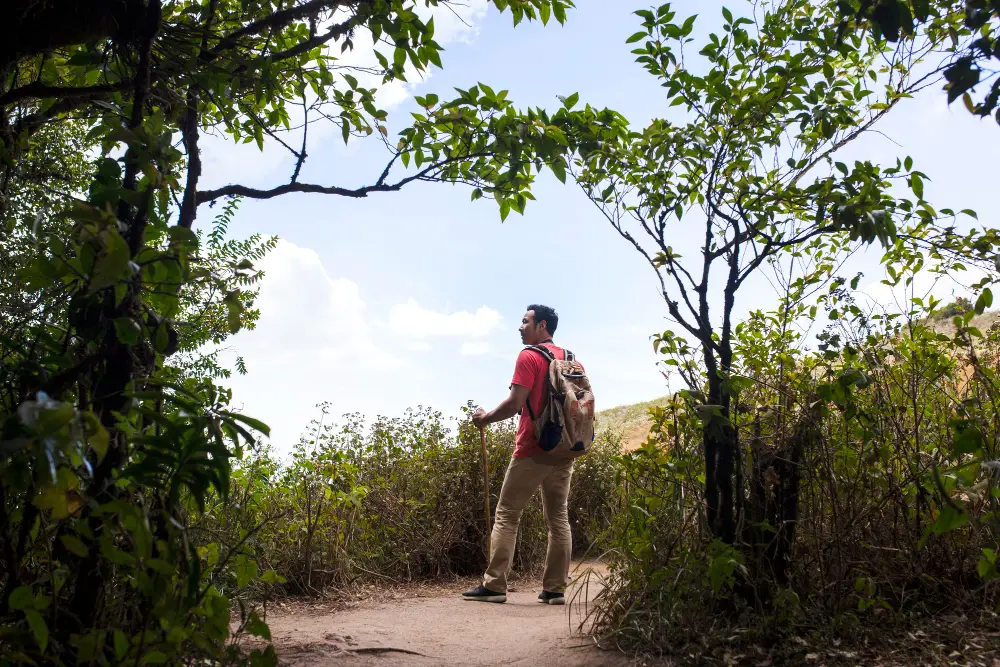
438,627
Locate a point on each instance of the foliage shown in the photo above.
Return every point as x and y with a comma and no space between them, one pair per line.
53,169
960,306
768,107
213,309
397,500
115,437
896,513
782,487
264,72
968,31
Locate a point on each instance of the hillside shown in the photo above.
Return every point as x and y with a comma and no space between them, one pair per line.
631,421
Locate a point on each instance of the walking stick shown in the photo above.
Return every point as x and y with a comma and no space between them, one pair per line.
486,494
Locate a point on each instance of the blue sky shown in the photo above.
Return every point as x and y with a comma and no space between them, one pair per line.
414,298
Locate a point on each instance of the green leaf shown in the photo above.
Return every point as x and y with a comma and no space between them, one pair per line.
569,101
74,544
234,308
688,25
112,264
246,572
269,657
949,519
22,598
272,577
97,435
967,438
121,644
559,170
38,628
127,330
257,627
637,37
154,658
161,337
184,237
984,301
559,9
255,424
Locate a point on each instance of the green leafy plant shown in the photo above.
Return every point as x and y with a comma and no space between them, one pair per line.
116,440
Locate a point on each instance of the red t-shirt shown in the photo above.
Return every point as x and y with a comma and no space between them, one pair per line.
531,370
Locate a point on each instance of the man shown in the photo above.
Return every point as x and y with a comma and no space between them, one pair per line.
529,468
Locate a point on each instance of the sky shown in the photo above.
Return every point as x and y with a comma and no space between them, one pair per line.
414,298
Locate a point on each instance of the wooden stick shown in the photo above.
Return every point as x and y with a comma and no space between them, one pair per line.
486,495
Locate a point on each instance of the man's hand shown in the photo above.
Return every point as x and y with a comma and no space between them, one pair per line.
509,407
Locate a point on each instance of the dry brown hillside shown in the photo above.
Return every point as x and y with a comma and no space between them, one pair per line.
631,421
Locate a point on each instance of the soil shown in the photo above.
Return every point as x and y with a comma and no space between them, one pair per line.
434,625
430,624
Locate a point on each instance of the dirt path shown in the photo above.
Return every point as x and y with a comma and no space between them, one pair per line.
435,626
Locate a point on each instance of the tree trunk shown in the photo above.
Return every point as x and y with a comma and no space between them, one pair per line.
773,510
720,453
120,365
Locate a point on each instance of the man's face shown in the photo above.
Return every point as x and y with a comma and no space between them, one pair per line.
532,333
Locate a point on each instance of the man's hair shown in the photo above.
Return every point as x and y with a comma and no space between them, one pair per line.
546,314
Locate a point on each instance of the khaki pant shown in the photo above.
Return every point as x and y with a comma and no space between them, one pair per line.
523,478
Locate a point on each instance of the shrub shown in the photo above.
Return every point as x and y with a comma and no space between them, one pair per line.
866,493
398,500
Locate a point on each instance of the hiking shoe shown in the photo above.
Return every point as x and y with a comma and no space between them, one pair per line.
483,594
551,598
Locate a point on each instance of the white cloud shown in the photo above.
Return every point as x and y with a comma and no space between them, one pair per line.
470,349
410,319
318,340
307,310
314,341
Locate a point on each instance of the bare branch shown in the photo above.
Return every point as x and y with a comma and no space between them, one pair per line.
380,185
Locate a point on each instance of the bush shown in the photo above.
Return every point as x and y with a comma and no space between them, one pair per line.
866,494
399,500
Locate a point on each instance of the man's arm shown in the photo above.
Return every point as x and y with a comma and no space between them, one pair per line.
509,407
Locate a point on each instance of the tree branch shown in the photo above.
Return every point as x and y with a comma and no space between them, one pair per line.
277,19
333,33
39,90
380,185
189,130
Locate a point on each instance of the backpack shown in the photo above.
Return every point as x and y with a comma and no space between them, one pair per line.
565,426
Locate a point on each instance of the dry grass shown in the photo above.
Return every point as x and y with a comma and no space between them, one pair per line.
629,421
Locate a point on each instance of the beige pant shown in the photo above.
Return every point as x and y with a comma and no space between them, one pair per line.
523,478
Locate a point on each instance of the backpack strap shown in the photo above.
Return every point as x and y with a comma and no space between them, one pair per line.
549,358
544,351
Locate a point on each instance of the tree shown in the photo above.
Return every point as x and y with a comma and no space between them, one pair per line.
108,447
753,171
968,31
52,171
246,69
